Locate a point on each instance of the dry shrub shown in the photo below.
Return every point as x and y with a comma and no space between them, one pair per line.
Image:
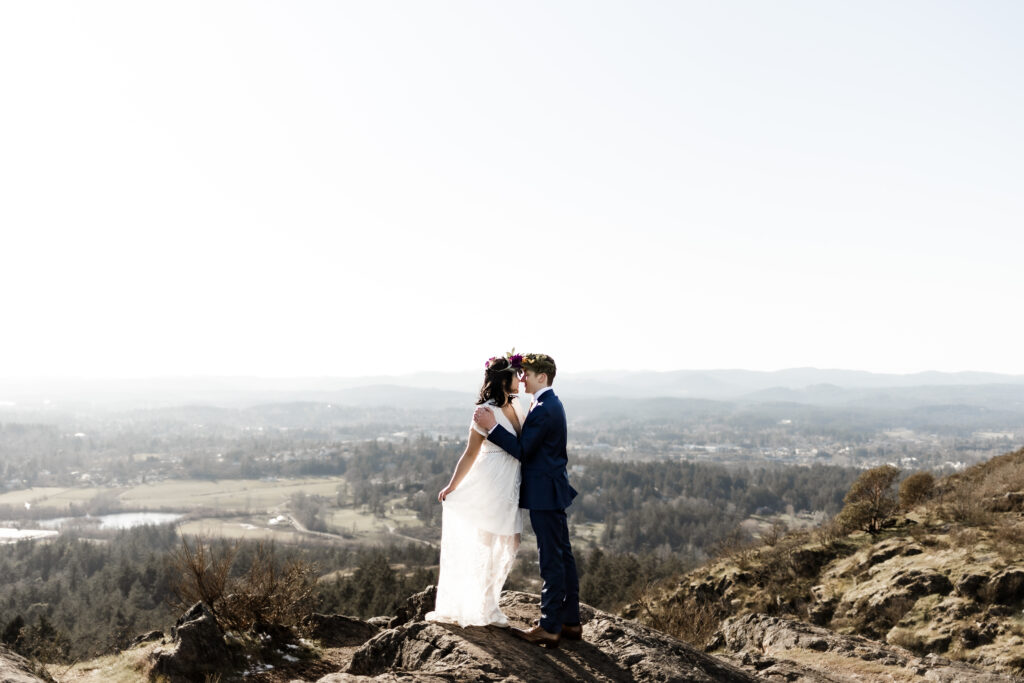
994,477
268,591
964,537
775,532
966,505
786,576
1008,539
916,489
203,573
737,546
691,619
907,638
829,534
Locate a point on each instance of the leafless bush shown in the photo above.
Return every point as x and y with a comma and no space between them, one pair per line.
907,638
203,574
737,545
270,592
690,619
964,537
267,591
1008,539
966,505
775,532
829,534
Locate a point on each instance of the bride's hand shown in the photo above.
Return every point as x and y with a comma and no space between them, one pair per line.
444,493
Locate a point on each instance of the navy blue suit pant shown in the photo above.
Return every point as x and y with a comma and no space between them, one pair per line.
560,596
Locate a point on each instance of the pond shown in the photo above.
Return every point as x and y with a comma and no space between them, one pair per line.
8,535
120,520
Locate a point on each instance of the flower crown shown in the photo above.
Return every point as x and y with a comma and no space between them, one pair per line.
515,361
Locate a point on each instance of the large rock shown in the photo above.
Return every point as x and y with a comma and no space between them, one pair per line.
875,605
16,669
416,607
335,630
198,648
1006,587
612,649
890,548
786,650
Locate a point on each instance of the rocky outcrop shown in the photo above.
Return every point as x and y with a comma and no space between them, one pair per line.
612,649
1006,587
198,648
416,607
779,649
1011,501
146,638
16,669
335,630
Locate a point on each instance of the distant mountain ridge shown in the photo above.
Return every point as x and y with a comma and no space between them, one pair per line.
796,385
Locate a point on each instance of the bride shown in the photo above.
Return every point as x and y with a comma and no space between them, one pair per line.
480,518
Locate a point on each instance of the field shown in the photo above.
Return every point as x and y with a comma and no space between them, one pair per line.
245,508
245,495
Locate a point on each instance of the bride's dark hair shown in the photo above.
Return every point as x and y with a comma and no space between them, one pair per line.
497,385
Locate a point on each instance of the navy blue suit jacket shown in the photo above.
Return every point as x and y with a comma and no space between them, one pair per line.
541,450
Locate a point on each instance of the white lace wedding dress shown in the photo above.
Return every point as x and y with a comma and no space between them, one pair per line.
479,523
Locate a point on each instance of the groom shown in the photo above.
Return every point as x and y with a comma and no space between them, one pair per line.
545,492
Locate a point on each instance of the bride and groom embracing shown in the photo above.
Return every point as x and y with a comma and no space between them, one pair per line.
515,460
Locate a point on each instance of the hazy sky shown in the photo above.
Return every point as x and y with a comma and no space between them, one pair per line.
341,188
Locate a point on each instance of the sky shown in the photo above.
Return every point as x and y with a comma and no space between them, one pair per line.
358,188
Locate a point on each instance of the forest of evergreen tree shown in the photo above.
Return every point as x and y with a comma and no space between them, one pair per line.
69,598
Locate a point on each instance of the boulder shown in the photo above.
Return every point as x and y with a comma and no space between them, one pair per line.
786,650
146,638
877,604
198,648
918,582
16,669
335,630
1006,587
979,633
416,607
890,548
970,583
612,649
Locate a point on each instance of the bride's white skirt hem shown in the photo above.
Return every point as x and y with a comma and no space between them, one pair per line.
448,619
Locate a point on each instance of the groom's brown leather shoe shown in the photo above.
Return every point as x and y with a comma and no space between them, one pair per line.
569,632
539,636
573,632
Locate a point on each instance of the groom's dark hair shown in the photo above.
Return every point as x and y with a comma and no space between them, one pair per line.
540,363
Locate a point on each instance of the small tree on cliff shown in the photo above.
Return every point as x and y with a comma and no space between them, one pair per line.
916,489
870,500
